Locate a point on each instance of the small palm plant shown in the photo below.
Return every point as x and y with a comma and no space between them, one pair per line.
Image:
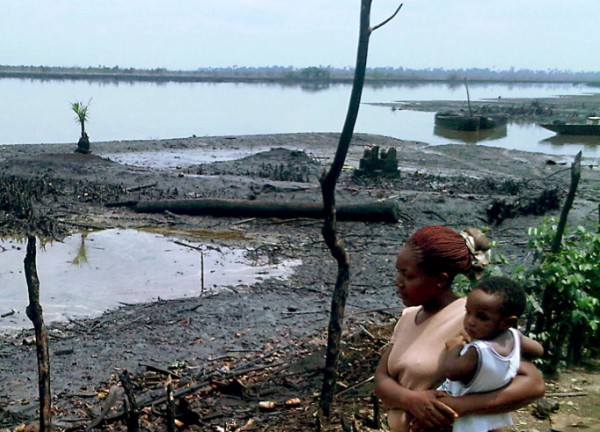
81,111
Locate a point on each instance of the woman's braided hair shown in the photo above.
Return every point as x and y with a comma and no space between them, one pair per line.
441,249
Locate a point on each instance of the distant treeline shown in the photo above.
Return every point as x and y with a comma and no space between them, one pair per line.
322,74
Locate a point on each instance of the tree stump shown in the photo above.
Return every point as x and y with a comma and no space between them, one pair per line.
376,162
83,145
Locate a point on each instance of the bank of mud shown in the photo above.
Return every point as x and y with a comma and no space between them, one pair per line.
242,326
566,108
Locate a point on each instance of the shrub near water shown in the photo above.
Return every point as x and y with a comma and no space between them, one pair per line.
564,293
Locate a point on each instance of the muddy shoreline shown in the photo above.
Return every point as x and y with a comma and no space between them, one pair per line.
452,185
568,108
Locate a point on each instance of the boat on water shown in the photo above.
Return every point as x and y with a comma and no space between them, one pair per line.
591,127
470,137
469,122
461,121
457,121
492,121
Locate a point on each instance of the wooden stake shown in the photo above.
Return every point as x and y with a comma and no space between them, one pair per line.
132,412
35,314
201,273
170,405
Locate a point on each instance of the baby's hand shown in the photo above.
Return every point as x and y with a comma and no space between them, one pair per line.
460,340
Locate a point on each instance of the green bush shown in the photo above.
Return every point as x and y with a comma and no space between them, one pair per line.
564,293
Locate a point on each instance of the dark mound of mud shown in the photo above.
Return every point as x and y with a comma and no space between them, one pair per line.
75,161
278,164
457,184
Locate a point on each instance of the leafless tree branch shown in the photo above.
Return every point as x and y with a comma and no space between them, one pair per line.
329,229
381,24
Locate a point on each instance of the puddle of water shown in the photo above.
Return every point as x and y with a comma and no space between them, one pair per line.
166,159
90,273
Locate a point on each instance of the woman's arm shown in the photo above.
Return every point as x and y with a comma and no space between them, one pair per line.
421,404
526,387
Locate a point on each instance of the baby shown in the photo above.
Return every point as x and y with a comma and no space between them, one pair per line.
491,359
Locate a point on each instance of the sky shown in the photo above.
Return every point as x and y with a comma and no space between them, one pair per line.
192,34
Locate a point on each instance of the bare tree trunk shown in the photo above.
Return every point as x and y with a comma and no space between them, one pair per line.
131,410
329,230
35,314
170,405
548,297
562,222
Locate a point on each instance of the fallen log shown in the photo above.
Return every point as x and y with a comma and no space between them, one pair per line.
364,212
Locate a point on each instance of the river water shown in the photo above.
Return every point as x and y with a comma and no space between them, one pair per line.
38,111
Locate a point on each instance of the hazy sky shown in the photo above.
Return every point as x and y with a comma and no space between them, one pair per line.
190,34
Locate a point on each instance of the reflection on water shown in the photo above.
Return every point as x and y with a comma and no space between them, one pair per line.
88,274
586,140
471,137
81,257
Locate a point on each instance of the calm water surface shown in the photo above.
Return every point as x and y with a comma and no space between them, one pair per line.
35,111
84,275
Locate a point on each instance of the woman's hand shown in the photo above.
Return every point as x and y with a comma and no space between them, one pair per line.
423,405
526,387
429,412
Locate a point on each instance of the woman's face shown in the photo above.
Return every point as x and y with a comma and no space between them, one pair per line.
415,287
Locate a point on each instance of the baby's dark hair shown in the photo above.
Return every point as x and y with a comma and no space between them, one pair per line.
513,295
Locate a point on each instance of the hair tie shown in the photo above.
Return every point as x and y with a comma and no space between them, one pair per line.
479,258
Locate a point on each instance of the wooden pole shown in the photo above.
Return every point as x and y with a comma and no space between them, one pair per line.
468,99
201,273
170,404
329,229
132,412
562,222
543,322
35,314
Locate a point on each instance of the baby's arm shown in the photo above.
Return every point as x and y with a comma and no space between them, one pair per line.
456,367
530,349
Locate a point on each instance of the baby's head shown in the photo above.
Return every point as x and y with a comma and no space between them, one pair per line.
493,306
